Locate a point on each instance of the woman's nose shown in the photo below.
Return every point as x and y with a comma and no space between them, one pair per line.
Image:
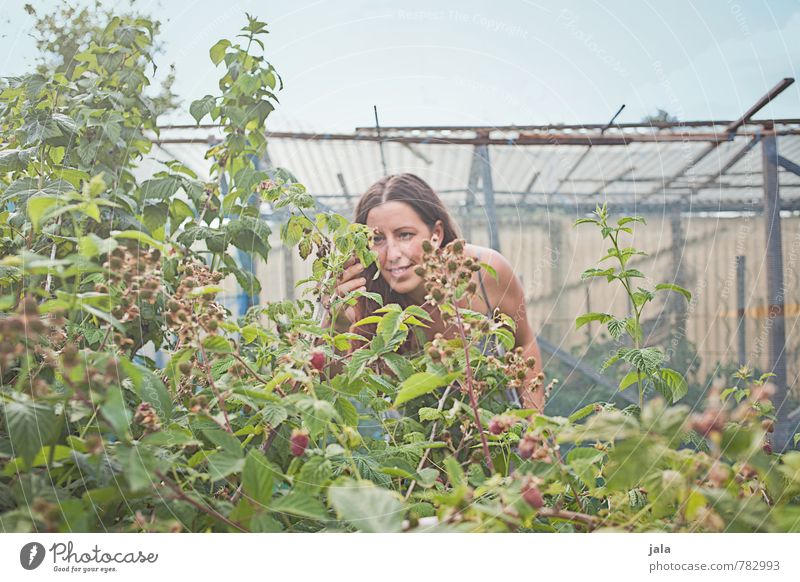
393,251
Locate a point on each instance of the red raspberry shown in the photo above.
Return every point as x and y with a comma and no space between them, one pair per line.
318,360
298,442
767,448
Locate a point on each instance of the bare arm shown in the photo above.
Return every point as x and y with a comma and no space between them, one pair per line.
507,294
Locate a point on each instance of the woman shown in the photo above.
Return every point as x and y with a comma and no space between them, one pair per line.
403,211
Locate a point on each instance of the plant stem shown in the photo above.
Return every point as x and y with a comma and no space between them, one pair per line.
636,314
255,375
220,399
471,390
181,494
433,435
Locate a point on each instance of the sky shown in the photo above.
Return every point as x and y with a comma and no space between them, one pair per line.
470,62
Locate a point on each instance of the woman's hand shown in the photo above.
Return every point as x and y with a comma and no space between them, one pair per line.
351,279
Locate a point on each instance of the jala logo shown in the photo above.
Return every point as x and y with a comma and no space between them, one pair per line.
31,555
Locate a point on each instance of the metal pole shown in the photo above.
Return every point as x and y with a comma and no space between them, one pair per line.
482,151
380,140
775,288
740,308
472,187
288,273
678,245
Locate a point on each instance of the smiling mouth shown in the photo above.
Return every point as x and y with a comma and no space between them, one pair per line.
397,271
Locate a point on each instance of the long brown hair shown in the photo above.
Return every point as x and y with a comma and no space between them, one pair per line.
415,192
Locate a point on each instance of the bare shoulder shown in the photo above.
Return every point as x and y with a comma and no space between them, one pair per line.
504,270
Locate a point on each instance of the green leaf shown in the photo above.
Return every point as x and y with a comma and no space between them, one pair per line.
30,425
595,272
202,107
631,460
155,216
629,273
347,411
300,505
593,316
92,245
428,414
489,269
313,475
257,478
116,412
274,414
139,465
217,344
217,52
141,237
676,288
399,365
645,359
582,412
37,209
626,219
149,388
422,383
366,507
629,379
250,235
616,327
224,463
609,425
675,382
59,454
171,438
159,188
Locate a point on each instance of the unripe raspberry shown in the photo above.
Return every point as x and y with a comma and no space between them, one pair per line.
185,367
420,271
533,496
427,246
527,447
318,360
298,442
768,425
496,426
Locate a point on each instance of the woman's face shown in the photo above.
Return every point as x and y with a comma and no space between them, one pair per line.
399,233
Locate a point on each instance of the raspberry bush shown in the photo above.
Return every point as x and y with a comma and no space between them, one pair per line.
277,421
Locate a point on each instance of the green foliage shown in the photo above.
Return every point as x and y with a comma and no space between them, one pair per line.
277,421
646,362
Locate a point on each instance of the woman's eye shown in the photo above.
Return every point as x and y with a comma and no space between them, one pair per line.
406,235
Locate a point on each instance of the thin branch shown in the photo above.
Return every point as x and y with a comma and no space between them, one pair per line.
471,389
255,374
433,436
549,512
220,399
181,494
